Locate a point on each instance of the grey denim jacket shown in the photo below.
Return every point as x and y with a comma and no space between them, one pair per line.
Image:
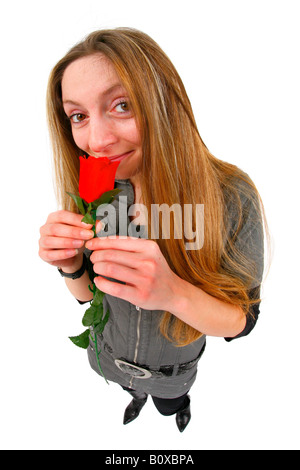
132,333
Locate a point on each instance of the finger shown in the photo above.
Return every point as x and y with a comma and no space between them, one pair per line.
68,218
66,231
99,226
130,259
122,243
118,272
58,242
116,289
57,255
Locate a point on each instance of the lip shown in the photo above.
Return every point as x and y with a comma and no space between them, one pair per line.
118,158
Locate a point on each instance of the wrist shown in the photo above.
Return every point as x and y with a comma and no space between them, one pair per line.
75,271
78,259
178,303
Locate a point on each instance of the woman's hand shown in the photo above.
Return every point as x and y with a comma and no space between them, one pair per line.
148,281
63,238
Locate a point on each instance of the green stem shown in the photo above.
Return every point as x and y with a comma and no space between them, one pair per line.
95,335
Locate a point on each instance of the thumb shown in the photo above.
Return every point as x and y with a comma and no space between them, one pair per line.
99,226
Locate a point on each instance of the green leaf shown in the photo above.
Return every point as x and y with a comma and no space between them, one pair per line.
98,297
79,202
82,341
106,198
88,318
98,329
88,219
98,314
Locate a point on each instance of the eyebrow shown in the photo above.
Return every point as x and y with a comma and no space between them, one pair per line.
105,93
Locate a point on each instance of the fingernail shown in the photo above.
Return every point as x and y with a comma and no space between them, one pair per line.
87,234
72,252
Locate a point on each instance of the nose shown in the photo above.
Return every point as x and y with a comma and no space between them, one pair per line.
101,135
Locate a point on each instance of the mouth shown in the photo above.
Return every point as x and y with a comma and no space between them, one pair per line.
118,158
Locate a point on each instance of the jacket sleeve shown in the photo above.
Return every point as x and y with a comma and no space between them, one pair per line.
252,316
248,236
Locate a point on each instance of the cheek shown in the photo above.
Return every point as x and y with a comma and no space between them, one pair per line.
80,140
131,133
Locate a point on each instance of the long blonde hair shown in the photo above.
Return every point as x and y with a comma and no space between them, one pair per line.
177,167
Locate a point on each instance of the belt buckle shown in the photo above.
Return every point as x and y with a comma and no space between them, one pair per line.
125,366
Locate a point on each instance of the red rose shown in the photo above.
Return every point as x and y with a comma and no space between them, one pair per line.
97,175
96,187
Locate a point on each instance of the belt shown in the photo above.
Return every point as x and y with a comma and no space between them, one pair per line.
143,372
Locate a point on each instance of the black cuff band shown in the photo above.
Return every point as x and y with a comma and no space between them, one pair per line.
78,273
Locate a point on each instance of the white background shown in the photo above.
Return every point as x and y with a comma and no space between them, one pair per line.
239,61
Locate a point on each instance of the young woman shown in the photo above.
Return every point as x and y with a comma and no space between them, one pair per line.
117,95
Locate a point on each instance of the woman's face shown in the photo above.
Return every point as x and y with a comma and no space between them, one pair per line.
103,124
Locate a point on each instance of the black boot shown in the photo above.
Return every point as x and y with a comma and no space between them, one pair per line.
183,416
133,409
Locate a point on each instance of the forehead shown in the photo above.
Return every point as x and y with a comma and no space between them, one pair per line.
94,73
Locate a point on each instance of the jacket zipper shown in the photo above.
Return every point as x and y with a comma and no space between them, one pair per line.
138,333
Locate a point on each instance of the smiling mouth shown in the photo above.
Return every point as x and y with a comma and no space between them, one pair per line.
118,158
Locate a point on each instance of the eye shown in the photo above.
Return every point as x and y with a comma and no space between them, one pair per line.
122,107
77,118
